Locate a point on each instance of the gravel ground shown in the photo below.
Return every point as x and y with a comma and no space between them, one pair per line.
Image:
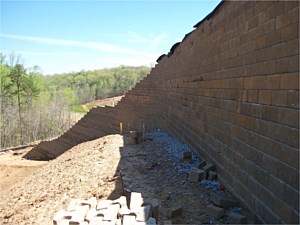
153,168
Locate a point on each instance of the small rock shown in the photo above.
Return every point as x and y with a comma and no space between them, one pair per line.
208,167
234,218
201,164
196,175
215,211
186,155
212,175
222,201
176,212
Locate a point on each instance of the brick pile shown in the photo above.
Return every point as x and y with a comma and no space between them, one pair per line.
202,171
122,211
218,208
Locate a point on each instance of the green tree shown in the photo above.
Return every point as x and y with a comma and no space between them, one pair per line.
17,75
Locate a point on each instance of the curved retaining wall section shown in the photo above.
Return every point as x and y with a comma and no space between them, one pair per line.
230,90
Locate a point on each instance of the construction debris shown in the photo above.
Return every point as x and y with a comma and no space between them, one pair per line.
111,212
235,218
222,201
212,175
215,211
196,175
186,155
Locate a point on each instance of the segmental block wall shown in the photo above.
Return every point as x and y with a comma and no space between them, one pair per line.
230,90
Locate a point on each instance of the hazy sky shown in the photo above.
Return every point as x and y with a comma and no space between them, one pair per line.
65,36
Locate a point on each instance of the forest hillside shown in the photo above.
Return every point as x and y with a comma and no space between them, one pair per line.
34,106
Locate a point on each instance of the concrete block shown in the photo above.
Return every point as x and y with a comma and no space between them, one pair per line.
94,213
132,141
129,220
167,222
136,200
144,213
121,201
125,211
84,202
215,211
78,223
136,136
96,220
114,222
72,205
111,213
196,175
176,212
64,222
90,214
133,133
212,175
75,203
234,218
222,201
61,215
201,164
208,167
92,202
79,214
155,203
103,204
186,155
150,221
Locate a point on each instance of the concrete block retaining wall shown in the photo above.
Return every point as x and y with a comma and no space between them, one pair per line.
230,90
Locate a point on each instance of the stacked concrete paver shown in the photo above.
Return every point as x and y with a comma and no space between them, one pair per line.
140,211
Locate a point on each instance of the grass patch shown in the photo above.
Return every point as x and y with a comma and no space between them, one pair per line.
89,105
78,109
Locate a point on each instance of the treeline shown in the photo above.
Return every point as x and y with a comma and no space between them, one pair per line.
35,107
85,86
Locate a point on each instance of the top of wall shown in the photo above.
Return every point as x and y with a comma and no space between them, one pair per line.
210,15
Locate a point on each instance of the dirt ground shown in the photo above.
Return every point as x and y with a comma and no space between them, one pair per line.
13,168
33,191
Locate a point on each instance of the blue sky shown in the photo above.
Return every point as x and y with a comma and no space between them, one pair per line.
65,36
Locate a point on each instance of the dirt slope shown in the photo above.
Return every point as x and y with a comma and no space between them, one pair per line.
89,169
79,173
